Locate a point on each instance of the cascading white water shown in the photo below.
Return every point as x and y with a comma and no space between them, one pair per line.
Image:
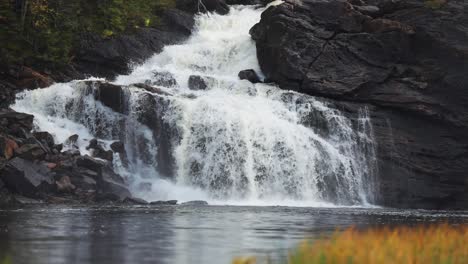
235,142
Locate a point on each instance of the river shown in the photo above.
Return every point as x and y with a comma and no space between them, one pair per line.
182,234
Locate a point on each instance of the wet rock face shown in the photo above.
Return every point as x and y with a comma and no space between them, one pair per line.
249,75
180,20
109,57
406,62
33,166
196,82
15,124
97,150
110,95
27,178
151,113
165,79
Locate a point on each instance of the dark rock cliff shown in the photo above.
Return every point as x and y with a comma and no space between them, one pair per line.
407,61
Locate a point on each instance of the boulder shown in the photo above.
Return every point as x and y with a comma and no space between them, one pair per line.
27,178
165,79
405,63
72,140
16,124
85,182
196,82
102,154
72,152
249,75
90,163
45,138
58,147
110,95
93,143
118,147
111,186
179,20
98,151
30,152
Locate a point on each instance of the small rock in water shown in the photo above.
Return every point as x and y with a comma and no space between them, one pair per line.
72,140
196,82
93,143
165,79
118,147
169,202
196,203
249,75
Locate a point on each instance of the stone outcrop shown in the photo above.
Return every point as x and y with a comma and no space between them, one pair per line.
405,61
249,75
196,82
34,167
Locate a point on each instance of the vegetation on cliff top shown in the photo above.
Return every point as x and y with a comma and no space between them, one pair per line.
37,31
438,244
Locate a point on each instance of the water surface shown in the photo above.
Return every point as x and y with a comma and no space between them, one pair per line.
182,234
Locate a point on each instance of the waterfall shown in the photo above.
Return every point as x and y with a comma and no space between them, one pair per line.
220,138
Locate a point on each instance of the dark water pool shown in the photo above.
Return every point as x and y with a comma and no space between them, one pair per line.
181,234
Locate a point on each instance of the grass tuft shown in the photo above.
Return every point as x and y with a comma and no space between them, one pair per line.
436,244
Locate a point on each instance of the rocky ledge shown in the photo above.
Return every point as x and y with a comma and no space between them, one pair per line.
406,61
32,166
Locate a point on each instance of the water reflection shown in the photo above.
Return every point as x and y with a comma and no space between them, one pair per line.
211,234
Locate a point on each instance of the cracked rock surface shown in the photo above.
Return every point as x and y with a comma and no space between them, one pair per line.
405,61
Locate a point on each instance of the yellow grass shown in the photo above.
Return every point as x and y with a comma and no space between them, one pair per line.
437,244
